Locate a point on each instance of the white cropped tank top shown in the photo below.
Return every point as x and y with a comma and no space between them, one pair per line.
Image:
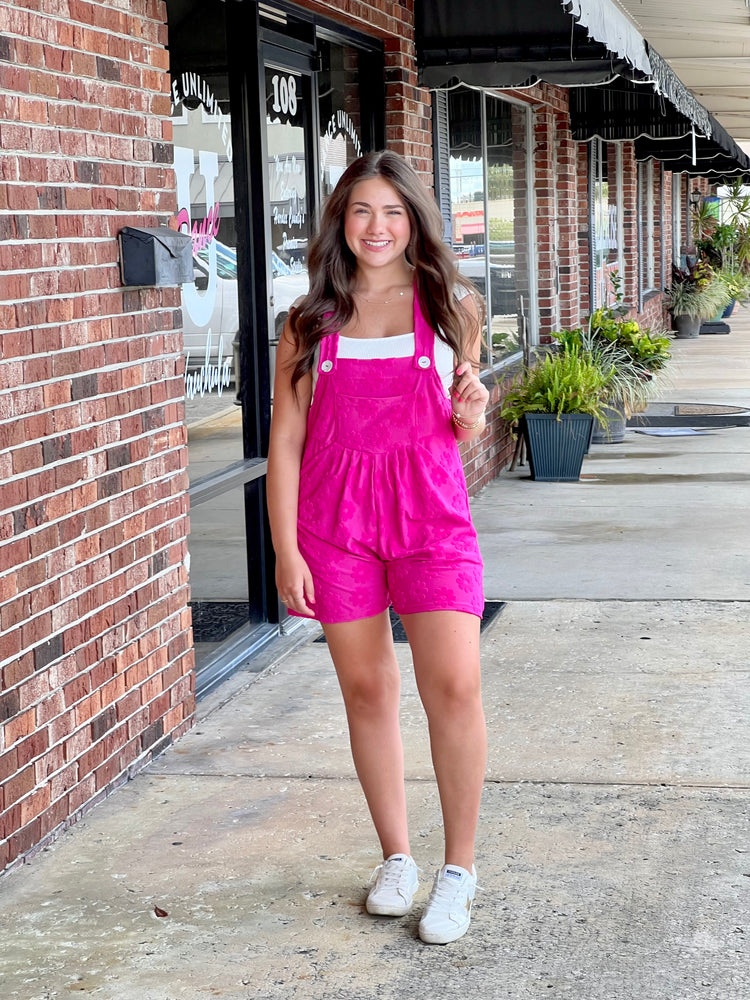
400,346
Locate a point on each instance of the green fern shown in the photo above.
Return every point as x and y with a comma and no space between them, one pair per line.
562,382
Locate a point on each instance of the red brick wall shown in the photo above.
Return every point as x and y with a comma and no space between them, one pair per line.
629,201
95,657
561,211
486,456
571,268
545,205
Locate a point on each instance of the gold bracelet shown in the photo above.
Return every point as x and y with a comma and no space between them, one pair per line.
458,421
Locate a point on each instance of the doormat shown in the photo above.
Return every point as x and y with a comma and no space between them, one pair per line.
668,431
214,621
491,610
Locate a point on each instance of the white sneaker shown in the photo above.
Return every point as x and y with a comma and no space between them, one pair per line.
448,912
393,892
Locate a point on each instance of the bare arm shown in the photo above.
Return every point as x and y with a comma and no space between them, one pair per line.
469,397
288,431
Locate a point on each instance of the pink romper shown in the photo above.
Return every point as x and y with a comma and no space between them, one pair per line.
383,508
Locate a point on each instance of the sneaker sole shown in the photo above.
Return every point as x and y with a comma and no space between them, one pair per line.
428,938
388,911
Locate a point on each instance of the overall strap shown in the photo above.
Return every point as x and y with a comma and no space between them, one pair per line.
328,351
424,339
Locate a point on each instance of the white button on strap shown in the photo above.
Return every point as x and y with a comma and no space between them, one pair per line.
326,366
424,361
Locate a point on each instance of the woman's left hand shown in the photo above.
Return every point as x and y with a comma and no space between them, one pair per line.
469,397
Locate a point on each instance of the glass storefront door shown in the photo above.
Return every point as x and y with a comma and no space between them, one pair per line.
300,175
300,172
203,135
256,149
288,135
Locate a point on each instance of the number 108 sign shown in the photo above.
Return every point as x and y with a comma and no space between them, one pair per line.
283,94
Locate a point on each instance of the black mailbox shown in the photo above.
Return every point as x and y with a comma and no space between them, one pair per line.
158,256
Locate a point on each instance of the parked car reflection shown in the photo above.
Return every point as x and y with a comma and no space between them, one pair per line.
502,282
201,344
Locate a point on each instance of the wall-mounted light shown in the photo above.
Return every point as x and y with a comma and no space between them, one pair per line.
695,197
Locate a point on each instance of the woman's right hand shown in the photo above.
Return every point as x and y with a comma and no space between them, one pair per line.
294,583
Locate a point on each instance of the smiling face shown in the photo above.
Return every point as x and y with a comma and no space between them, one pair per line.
376,225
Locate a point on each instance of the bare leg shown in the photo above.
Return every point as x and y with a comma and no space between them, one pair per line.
445,646
370,681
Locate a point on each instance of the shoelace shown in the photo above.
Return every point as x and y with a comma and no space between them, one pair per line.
447,891
393,874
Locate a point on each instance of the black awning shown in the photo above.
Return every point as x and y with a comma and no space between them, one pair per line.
625,110
575,43
670,86
514,43
708,158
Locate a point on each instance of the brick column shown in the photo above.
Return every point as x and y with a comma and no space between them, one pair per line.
543,154
629,201
568,248
95,655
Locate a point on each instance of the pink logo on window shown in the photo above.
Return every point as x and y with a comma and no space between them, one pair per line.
202,232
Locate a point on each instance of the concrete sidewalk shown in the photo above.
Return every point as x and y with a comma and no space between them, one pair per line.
613,848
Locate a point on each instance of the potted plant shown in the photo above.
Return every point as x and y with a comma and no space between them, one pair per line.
723,241
555,400
630,355
737,286
694,295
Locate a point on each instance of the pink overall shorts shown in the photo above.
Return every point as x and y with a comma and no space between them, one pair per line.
383,508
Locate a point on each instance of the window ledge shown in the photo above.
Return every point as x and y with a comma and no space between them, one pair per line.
489,375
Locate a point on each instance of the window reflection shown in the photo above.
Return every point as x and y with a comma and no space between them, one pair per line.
339,104
203,164
488,208
606,246
205,197
289,210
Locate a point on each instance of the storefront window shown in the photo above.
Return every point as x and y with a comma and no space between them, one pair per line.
606,223
489,218
339,112
202,131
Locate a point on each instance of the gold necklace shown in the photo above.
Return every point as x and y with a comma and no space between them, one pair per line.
380,302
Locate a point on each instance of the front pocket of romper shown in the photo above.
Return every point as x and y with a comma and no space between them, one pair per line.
376,424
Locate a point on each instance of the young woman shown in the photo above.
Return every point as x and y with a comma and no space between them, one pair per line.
375,383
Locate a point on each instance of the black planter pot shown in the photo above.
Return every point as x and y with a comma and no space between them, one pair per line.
556,447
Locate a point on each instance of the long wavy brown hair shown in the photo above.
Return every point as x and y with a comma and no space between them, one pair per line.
329,303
